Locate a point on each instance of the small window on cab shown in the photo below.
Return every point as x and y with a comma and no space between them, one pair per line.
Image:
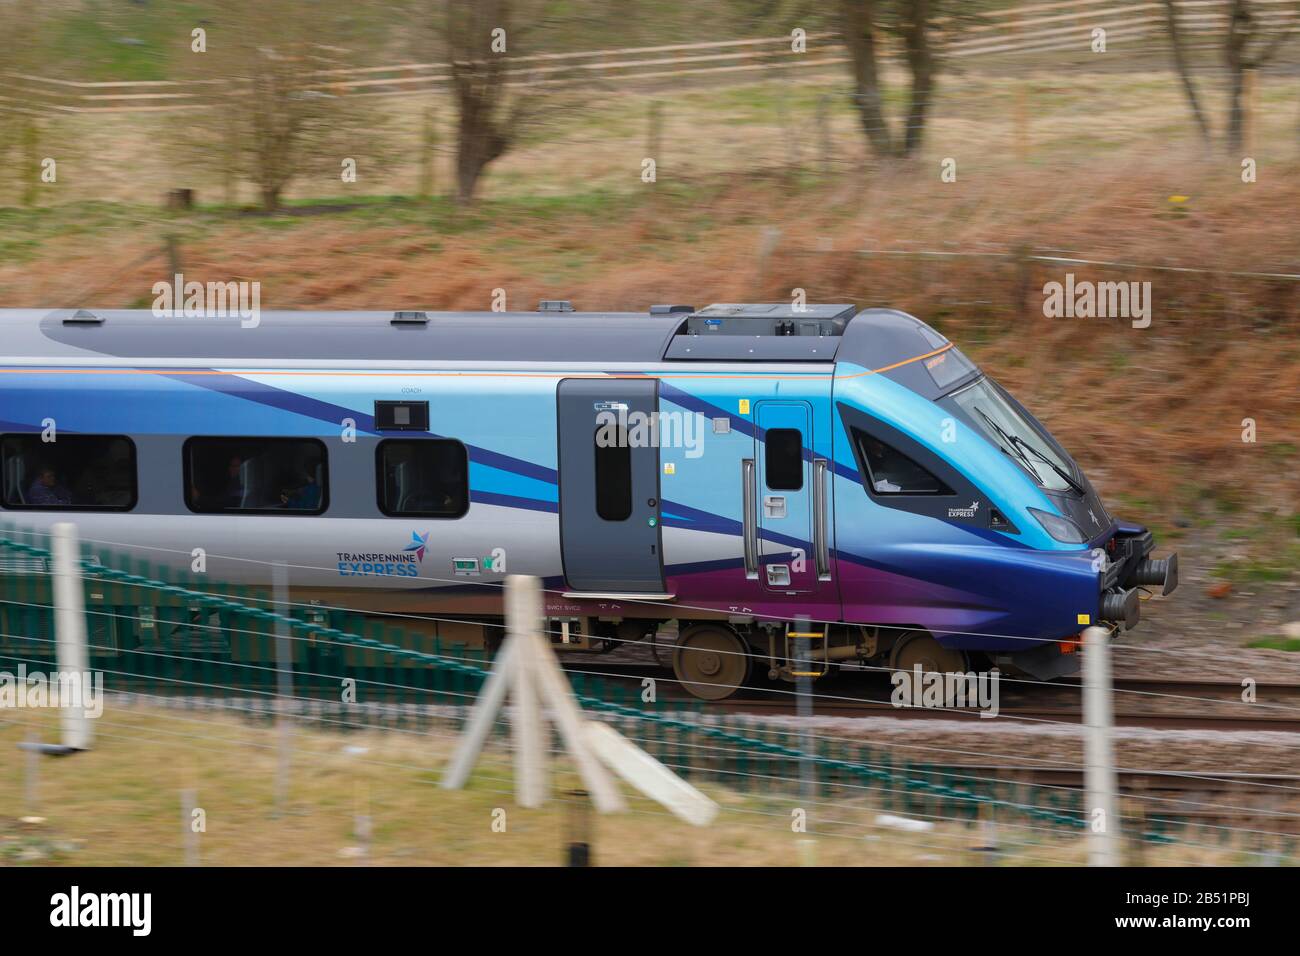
285,476
422,477
890,472
71,473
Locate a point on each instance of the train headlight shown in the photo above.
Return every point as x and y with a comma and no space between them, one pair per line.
1061,529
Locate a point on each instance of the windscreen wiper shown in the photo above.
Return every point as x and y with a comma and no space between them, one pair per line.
1010,448
1021,446
1065,475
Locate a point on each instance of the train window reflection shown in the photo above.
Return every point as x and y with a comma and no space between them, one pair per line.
73,472
255,475
423,478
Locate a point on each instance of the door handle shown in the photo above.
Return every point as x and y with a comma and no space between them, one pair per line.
778,575
749,517
821,546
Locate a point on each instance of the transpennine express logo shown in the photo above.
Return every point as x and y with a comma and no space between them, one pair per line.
400,564
964,512
418,543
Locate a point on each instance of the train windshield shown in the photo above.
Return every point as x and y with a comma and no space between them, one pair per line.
986,407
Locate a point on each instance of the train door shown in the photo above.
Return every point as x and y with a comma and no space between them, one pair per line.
785,500
609,485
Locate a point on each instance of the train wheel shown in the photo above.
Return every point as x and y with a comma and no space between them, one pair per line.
711,661
921,648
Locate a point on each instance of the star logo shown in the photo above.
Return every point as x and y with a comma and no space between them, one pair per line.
418,543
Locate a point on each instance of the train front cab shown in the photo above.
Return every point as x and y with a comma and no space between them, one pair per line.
963,529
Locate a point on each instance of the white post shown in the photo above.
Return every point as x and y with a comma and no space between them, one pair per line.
1099,766
284,684
490,698
524,624
557,695
527,669
70,633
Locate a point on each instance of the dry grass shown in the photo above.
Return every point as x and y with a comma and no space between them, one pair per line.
120,805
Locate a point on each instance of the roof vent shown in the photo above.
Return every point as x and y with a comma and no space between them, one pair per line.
410,318
84,317
671,309
555,305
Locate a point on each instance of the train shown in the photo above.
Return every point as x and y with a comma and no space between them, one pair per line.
788,489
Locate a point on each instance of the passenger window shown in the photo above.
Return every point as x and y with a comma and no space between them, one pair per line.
255,475
783,451
74,472
613,475
423,478
890,472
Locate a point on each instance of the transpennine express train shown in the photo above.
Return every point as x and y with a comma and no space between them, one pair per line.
714,480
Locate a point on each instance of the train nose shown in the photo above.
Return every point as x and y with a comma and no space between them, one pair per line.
1156,571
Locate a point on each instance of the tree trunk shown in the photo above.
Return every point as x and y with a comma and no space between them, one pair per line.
1234,55
485,128
858,28
480,141
920,60
1180,63
470,163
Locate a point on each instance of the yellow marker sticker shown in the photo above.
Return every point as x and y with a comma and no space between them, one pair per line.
1085,619
670,468
744,406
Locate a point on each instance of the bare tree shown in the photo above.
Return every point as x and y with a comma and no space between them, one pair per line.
859,31
277,109
1247,46
478,40
916,40
862,25
1184,73
22,104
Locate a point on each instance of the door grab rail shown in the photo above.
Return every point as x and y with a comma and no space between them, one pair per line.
821,548
749,498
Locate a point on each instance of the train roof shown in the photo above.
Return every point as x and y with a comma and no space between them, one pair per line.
724,332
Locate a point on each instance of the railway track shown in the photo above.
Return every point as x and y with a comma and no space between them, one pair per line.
1253,802
1186,703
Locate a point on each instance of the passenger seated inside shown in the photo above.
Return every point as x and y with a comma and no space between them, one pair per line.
305,497
250,475
47,490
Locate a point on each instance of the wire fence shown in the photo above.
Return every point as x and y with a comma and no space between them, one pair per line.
181,644
1028,29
